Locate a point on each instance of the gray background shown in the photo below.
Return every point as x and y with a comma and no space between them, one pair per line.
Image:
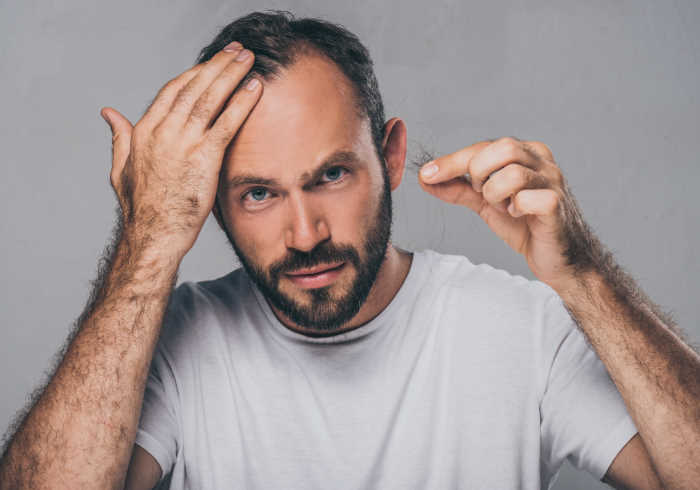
611,87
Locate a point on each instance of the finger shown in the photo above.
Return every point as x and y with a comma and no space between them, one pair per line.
499,154
227,124
210,103
162,102
190,94
541,149
448,167
543,203
455,191
509,180
121,130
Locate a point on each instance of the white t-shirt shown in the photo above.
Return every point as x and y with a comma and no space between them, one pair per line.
470,378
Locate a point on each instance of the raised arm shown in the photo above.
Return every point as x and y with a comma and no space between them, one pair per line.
80,432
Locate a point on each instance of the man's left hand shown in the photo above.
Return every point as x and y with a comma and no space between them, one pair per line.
520,192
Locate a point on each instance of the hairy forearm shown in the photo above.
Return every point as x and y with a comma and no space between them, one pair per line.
657,374
80,432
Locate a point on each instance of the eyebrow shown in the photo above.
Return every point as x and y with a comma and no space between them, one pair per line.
341,156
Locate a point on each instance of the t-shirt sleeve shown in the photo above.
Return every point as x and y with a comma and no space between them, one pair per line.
157,430
583,416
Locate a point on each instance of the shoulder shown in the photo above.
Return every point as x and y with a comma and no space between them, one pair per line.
197,310
509,305
496,314
191,299
487,285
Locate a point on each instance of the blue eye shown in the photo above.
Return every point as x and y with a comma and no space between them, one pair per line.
257,194
334,173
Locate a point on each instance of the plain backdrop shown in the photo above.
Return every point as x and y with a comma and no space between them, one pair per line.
611,87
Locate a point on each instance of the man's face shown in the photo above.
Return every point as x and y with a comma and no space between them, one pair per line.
302,187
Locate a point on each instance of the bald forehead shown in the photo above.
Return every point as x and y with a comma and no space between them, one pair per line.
305,113
312,84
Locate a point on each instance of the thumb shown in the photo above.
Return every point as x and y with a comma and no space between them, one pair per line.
121,138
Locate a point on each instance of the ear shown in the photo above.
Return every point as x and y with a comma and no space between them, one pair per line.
394,149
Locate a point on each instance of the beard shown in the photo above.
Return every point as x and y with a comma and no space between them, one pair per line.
324,312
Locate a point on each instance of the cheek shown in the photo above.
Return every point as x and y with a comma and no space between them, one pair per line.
349,213
259,236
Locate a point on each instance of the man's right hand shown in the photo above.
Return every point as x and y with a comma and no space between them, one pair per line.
80,432
165,169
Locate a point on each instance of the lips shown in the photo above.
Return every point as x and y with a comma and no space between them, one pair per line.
315,270
316,277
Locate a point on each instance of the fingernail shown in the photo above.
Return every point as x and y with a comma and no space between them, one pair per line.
243,55
234,46
428,170
252,84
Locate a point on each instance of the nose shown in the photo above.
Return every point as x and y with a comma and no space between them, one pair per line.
307,225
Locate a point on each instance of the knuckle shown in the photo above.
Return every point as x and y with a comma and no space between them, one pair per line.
510,147
553,201
202,110
557,176
163,93
184,97
543,149
508,141
160,133
171,85
551,176
156,135
538,181
514,172
497,182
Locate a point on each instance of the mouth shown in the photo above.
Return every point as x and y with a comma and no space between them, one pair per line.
316,277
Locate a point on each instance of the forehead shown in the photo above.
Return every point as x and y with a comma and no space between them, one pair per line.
303,115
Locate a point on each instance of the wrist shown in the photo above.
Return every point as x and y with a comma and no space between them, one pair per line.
145,248
151,264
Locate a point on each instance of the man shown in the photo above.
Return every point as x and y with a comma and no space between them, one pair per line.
334,359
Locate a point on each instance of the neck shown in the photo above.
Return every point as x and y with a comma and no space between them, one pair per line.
391,275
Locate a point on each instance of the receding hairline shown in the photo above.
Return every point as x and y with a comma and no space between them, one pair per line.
304,49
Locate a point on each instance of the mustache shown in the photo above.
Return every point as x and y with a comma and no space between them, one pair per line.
323,253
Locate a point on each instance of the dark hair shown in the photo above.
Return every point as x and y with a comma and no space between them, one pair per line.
277,38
